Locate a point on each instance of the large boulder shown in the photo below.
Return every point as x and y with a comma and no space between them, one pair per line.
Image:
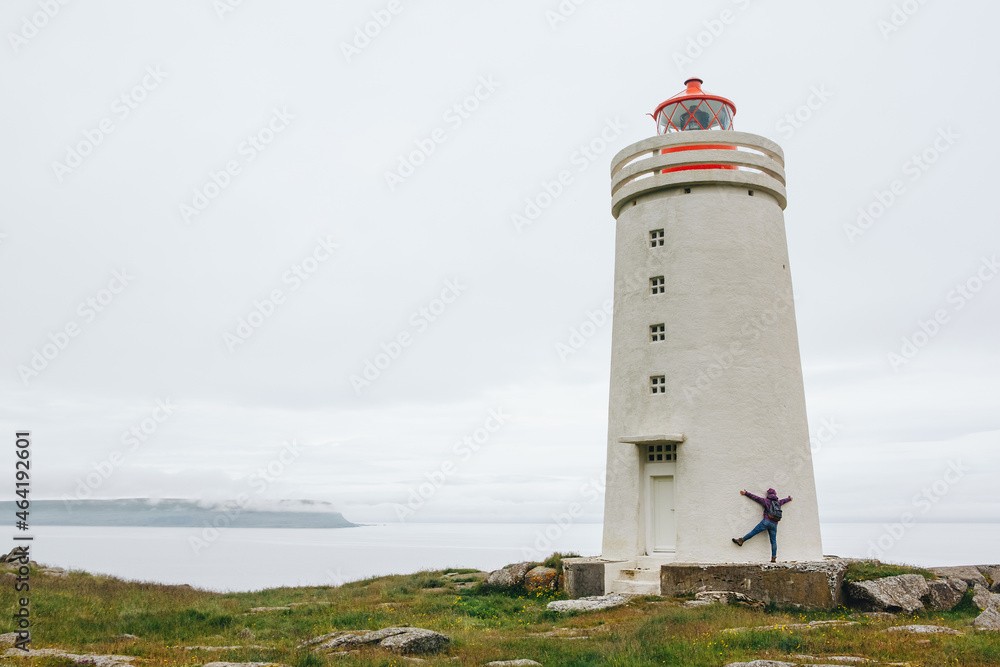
347,639
901,593
510,576
541,579
970,574
944,594
982,598
990,604
416,641
992,575
988,620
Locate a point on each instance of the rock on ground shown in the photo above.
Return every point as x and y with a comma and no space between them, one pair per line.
943,594
847,658
321,639
360,638
988,620
401,640
222,648
86,659
244,664
925,629
541,579
8,639
592,603
510,576
573,633
416,641
992,575
521,662
983,599
970,574
899,593
786,626
811,625
245,633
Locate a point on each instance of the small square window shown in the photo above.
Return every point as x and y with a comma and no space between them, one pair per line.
657,332
657,384
657,285
666,452
656,238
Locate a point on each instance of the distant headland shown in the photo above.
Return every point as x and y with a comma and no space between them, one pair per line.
181,513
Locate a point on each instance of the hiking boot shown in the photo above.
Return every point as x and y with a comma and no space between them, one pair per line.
738,541
774,559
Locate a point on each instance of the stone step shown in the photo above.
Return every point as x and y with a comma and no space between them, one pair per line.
635,587
654,562
640,574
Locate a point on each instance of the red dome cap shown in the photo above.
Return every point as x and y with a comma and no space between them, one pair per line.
694,109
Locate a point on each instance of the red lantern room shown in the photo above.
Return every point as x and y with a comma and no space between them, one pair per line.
694,109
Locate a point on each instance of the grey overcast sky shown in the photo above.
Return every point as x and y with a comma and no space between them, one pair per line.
217,215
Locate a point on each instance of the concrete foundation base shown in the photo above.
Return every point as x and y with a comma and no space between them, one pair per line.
583,577
809,585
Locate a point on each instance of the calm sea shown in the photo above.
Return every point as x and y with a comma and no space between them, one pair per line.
243,559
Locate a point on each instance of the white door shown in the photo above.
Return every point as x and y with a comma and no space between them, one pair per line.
664,524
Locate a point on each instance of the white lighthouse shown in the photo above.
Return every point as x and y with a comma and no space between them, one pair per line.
706,382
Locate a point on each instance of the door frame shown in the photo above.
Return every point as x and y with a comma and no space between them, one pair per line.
651,471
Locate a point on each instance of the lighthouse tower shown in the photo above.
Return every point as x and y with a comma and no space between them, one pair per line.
706,382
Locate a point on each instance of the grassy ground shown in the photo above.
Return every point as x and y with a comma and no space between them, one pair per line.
82,613
873,569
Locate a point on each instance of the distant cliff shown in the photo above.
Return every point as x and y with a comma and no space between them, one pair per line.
176,513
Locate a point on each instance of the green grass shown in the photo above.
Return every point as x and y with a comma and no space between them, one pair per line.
964,608
556,559
82,613
873,569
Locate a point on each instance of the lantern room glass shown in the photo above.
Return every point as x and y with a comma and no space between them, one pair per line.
694,114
